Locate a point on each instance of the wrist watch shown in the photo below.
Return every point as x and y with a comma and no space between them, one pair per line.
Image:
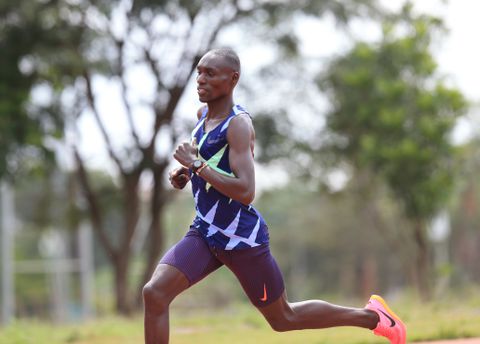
197,165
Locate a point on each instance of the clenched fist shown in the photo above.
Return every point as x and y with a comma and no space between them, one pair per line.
186,153
179,177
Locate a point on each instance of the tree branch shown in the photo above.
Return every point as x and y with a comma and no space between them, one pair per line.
93,206
132,208
155,231
165,114
153,67
91,102
121,73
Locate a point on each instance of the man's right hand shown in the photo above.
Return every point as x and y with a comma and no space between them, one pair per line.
179,177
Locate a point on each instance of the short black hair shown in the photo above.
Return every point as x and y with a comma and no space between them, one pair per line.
230,56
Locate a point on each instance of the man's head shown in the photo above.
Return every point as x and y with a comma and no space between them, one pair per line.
217,74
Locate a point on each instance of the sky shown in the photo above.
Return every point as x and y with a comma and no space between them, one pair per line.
457,54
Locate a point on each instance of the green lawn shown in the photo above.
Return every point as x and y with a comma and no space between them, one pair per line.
242,324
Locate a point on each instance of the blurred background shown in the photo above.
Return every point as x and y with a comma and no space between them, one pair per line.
367,119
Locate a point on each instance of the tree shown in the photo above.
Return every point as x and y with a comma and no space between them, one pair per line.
392,115
465,219
25,35
166,38
335,249
110,41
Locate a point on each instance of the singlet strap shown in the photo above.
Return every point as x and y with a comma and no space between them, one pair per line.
204,112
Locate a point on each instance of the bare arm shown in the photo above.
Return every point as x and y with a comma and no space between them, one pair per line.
240,138
180,176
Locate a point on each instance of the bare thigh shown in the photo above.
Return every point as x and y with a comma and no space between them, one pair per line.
192,257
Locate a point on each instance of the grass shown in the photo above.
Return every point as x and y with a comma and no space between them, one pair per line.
444,319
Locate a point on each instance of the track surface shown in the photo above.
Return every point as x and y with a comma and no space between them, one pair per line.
456,341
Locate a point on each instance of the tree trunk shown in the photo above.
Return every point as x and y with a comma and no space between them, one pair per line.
155,231
122,302
369,275
122,261
423,262
366,191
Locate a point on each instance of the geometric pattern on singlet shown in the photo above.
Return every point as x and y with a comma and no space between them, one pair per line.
224,223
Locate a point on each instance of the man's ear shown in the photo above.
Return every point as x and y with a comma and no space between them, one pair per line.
235,77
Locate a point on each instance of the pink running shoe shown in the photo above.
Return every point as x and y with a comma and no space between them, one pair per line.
389,325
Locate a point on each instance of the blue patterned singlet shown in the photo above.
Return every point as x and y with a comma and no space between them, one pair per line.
223,222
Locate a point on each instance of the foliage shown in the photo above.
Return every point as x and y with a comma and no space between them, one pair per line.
164,39
465,217
391,113
335,247
32,33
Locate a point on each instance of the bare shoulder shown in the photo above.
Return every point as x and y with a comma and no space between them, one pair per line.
242,122
241,129
200,111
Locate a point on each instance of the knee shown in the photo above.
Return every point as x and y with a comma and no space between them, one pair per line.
165,284
155,298
280,323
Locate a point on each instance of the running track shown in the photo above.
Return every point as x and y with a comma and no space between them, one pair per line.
456,341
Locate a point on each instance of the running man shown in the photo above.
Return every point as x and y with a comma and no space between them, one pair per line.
228,230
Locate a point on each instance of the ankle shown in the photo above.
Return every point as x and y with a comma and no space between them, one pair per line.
373,319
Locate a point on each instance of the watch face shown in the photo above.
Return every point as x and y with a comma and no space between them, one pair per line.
197,163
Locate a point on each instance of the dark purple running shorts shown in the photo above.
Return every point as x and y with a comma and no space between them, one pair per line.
254,267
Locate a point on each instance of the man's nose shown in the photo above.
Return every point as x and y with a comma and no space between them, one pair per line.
200,78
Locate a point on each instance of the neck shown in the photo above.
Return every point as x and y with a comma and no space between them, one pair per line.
220,107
